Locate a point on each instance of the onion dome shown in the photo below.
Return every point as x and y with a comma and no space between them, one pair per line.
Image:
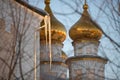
85,29
58,31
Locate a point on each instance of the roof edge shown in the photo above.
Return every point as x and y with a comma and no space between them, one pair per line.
33,8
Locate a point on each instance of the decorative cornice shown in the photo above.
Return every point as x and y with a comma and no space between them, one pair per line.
54,62
86,58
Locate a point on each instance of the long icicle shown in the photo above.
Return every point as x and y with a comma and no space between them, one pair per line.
49,27
46,29
35,63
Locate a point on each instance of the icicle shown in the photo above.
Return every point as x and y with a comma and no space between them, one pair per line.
47,32
35,56
48,28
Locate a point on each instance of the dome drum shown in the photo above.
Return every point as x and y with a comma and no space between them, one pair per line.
55,69
85,48
86,67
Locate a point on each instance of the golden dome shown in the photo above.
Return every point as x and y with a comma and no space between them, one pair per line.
58,31
85,29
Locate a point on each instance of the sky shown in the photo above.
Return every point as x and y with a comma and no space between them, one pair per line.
59,8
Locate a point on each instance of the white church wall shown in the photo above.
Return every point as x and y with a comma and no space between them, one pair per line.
16,16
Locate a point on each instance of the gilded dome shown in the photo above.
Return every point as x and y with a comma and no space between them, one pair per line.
85,28
58,31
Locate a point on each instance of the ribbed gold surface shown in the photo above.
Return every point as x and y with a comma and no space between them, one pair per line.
85,28
58,31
